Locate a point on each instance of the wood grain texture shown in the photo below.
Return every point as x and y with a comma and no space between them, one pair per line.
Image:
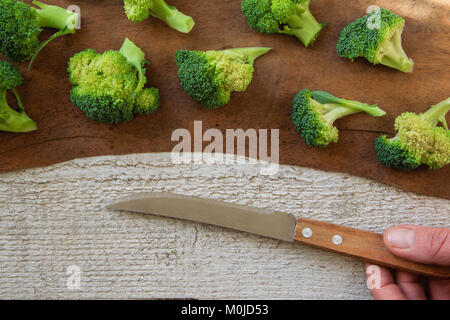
364,245
65,133
54,217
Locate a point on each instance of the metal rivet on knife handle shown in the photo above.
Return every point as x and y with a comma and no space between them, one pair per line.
307,232
337,239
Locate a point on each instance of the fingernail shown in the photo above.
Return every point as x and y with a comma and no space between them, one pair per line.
401,238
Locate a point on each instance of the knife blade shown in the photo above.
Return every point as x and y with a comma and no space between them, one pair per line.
365,245
271,224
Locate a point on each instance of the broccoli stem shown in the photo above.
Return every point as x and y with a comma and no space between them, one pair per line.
372,110
12,120
54,17
393,55
438,112
337,112
327,99
136,57
246,54
303,25
170,15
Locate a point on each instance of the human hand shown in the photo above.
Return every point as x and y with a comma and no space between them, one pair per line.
419,244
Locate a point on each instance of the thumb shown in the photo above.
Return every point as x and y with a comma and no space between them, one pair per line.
419,244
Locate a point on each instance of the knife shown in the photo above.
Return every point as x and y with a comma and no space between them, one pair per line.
364,245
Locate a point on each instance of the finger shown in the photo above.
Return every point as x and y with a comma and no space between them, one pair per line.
439,289
419,244
410,286
385,288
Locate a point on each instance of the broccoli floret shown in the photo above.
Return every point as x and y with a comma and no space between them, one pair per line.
20,26
419,140
291,17
109,87
314,113
139,10
210,77
380,44
10,119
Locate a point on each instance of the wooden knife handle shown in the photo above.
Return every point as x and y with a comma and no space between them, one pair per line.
364,245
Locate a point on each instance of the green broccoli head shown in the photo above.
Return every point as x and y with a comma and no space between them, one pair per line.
210,77
291,17
12,120
395,154
314,114
10,76
20,26
139,10
109,87
380,44
419,140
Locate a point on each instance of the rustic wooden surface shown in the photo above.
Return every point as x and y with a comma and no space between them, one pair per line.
52,218
65,133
